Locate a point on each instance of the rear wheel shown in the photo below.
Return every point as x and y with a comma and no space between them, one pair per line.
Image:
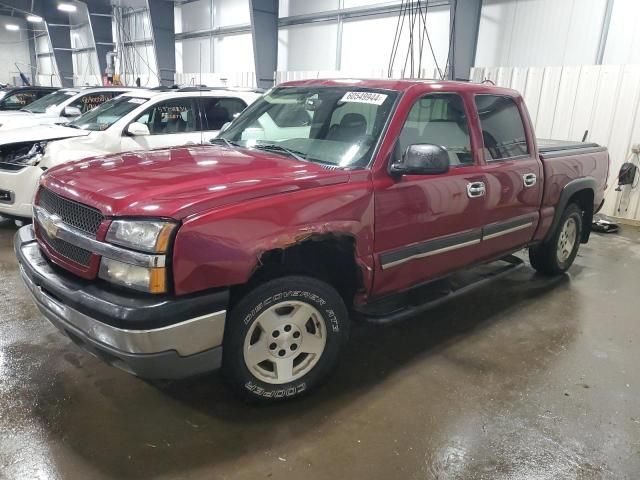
284,337
557,255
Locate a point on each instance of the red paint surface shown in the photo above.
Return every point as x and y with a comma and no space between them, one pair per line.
235,204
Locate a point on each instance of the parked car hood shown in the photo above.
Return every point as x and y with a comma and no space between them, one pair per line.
39,133
14,120
178,182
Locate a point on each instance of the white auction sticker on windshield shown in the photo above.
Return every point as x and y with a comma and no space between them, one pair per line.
139,101
364,97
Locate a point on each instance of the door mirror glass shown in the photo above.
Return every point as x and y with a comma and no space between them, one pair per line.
422,159
70,111
137,129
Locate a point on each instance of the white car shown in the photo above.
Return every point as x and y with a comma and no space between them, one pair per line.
60,106
137,120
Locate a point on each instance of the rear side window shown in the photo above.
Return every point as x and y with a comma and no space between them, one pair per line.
219,111
502,128
171,116
92,100
20,100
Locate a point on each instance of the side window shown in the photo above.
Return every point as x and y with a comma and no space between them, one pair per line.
440,120
19,100
502,128
92,100
219,111
172,116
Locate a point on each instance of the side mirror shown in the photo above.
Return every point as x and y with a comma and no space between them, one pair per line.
71,112
422,159
137,129
225,126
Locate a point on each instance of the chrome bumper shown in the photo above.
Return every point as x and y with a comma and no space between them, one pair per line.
189,347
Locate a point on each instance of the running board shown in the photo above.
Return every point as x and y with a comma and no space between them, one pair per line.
438,292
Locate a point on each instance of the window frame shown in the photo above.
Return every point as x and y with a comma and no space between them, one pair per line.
524,129
466,112
202,112
198,113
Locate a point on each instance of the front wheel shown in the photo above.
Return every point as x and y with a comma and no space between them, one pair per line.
557,255
284,337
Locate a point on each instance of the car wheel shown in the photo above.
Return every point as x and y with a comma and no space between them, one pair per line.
557,255
283,338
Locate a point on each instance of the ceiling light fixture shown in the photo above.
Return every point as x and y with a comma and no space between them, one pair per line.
66,7
34,19
12,27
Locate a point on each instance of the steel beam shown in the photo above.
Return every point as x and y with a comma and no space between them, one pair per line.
264,29
100,17
464,23
164,39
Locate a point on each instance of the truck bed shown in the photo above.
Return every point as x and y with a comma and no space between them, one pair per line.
555,148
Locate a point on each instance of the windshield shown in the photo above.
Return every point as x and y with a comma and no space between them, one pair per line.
107,114
331,125
53,99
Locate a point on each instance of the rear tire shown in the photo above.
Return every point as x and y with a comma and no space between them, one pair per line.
283,338
557,254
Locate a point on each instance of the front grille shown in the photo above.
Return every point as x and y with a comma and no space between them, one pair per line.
67,250
74,214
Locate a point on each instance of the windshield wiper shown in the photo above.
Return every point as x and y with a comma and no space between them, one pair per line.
25,110
67,125
279,148
223,140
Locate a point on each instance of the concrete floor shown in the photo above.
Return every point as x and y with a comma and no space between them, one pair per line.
527,378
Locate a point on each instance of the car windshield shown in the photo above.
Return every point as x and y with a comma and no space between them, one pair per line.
102,117
53,99
331,125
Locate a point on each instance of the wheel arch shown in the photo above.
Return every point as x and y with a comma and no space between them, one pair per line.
582,192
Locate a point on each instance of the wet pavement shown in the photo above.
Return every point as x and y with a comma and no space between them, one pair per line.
526,378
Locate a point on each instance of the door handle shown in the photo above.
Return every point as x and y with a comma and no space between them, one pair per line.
476,189
529,179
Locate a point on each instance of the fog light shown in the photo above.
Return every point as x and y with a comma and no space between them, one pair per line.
152,280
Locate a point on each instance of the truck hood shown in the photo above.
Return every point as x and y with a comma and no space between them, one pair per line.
178,182
39,133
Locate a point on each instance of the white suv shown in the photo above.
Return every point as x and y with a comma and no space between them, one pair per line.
137,120
60,106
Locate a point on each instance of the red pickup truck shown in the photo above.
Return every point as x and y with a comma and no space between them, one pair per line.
323,201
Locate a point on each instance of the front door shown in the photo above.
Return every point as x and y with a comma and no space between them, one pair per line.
513,173
171,123
429,225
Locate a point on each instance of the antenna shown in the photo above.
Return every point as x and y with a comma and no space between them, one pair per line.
200,107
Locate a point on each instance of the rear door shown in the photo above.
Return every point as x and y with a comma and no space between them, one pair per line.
171,123
513,174
429,225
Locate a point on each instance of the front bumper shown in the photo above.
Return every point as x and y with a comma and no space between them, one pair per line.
23,185
116,328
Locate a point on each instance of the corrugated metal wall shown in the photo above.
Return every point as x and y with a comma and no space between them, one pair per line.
565,101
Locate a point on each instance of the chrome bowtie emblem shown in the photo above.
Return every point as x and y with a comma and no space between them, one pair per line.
50,224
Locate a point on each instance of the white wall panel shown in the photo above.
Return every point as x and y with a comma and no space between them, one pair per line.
230,12
289,8
564,102
367,42
194,54
623,41
539,32
308,47
233,53
195,16
14,49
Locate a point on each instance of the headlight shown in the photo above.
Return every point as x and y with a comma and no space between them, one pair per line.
152,280
151,236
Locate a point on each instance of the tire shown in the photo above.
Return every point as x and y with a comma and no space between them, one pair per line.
555,256
283,338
